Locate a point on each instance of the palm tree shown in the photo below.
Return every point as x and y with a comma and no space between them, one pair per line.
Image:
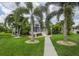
46,15
9,22
18,15
14,20
33,12
67,10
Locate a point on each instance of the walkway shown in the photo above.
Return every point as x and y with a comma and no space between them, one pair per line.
49,49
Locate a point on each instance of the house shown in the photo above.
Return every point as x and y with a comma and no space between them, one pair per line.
37,27
76,29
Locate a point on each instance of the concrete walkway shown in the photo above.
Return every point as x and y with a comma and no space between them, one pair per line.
49,49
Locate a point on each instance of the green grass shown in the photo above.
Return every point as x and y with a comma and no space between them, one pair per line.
10,46
66,50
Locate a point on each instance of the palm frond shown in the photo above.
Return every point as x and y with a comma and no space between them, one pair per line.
59,13
37,12
52,14
29,5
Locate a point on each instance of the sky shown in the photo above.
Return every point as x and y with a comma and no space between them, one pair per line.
11,6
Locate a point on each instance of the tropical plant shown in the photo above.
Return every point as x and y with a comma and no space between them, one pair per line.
18,18
56,29
16,21
67,10
9,23
47,15
33,12
2,27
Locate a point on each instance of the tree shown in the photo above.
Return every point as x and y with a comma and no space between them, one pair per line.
3,28
47,16
18,19
25,26
56,28
67,10
33,12
15,19
9,23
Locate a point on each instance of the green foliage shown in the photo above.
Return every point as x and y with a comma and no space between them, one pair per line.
68,13
17,20
29,5
56,29
3,28
67,10
25,29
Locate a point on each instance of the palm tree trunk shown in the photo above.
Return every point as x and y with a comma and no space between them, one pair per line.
13,32
17,34
65,30
46,26
51,30
19,31
32,27
45,29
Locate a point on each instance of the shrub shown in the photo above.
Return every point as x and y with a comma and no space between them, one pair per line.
56,29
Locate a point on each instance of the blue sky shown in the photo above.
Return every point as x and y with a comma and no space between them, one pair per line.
1,11
5,11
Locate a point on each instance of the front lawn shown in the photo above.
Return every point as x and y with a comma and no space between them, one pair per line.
66,50
10,46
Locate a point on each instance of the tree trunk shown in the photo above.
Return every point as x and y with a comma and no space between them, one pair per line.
12,31
65,30
19,31
51,30
32,27
17,34
45,29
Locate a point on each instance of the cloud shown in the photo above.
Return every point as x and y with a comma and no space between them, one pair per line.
76,15
6,9
53,8
4,12
2,17
11,6
62,17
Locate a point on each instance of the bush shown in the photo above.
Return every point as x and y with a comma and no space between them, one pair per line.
56,29
25,30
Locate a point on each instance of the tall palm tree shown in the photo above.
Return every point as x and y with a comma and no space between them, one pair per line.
13,23
15,19
46,15
18,15
33,11
67,10
9,22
